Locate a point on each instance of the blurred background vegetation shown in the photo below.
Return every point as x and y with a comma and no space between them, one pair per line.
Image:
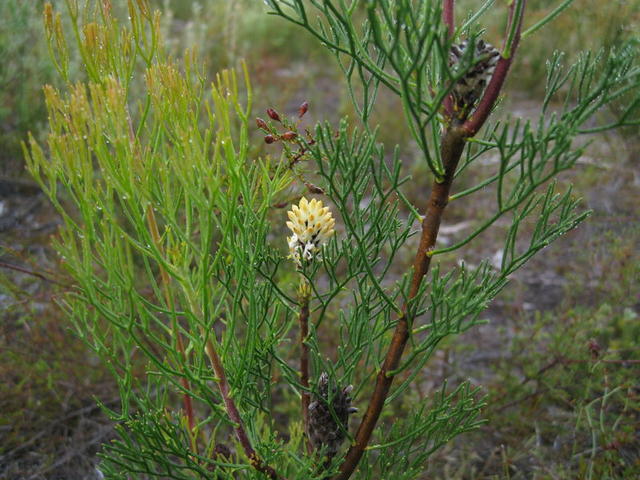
559,358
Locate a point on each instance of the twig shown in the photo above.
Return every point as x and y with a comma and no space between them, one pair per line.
234,414
303,319
53,424
490,96
538,391
448,10
79,450
622,362
453,143
452,146
41,276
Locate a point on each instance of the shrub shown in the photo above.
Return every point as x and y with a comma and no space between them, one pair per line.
171,233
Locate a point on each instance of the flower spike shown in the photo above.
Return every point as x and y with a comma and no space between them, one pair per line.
312,226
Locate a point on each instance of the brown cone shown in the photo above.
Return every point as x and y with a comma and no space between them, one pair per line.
327,430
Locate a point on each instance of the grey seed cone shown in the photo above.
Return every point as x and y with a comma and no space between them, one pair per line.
327,430
469,88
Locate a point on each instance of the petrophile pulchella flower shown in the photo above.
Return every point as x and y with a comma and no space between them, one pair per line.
312,226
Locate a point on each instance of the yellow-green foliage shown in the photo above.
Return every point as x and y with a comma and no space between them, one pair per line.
160,197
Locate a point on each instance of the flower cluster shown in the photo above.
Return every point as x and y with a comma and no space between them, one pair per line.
312,226
291,132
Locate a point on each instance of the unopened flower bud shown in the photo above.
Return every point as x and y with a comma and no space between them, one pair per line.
314,188
289,135
304,289
269,139
303,109
261,124
273,115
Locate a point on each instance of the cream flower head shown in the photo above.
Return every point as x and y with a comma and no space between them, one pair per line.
312,226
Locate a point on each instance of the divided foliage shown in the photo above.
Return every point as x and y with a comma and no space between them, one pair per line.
171,235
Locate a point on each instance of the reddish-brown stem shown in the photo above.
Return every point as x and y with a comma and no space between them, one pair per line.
488,100
453,143
452,146
234,414
188,407
448,7
304,362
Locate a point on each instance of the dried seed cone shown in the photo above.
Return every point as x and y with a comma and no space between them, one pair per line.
469,88
324,429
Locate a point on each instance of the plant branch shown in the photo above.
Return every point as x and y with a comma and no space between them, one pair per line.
39,275
512,39
448,8
234,414
548,18
453,144
304,295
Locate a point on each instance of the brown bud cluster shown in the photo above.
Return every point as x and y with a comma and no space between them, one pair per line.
291,134
329,416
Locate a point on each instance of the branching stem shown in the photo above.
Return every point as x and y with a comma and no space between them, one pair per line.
490,96
39,275
448,18
453,144
234,414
